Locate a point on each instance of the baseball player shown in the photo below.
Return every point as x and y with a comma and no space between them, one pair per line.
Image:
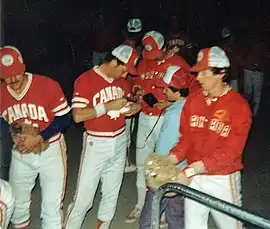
134,28
100,102
6,203
25,99
215,123
176,84
150,69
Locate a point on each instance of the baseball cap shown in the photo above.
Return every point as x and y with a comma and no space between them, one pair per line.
134,25
127,55
175,77
153,42
213,57
11,62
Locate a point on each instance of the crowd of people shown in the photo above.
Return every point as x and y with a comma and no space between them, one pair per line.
189,114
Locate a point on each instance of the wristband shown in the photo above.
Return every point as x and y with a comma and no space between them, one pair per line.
189,171
100,109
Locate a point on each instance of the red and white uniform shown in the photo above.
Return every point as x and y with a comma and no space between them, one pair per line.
104,149
216,135
6,203
40,102
150,72
49,102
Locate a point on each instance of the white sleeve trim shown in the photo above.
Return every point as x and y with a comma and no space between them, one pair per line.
78,105
62,112
60,107
80,100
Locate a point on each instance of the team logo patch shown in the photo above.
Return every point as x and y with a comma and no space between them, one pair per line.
221,115
200,57
7,60
148,47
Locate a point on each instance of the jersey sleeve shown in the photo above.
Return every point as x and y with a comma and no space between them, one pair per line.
81,93
235,142
181,148
59,105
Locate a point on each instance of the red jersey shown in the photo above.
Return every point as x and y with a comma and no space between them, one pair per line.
39,103
214,134
150,72
92,88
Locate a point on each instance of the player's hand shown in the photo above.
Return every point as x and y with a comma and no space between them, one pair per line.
17,140
137,94
182,179
134,108
162,105
29,142
115,104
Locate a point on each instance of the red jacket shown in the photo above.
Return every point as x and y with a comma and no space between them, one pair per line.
150,72
214,134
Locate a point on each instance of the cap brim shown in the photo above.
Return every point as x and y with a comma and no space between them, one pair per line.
134,31
198,67
151,55
6,73
160,83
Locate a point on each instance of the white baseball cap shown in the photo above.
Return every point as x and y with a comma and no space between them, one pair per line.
134,25
128,56
153,42
213,57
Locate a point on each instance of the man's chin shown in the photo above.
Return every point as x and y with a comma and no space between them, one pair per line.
15,87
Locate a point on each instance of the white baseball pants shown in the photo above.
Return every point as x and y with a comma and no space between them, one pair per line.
227,188
6,203
253,85
102,158
51,167
144,148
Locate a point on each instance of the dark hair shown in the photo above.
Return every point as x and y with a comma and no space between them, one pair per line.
225,71
109,57
183,91
216,71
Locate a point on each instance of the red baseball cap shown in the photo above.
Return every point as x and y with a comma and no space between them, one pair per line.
11,62
153,42
176,77
213,57
127,55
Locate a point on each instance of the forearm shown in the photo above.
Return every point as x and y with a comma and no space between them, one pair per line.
57,125
135,108
83,114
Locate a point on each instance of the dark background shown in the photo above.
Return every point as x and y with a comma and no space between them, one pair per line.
56,37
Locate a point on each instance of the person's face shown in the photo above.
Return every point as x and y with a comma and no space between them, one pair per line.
15,82
118,70
208,80
171,96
